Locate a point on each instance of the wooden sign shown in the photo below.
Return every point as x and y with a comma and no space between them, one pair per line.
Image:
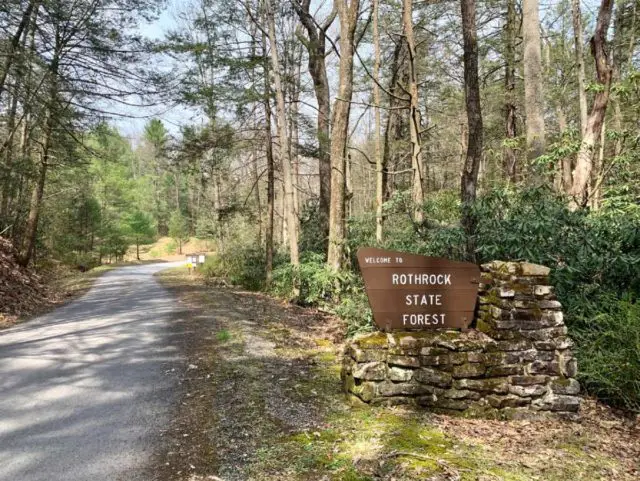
413,292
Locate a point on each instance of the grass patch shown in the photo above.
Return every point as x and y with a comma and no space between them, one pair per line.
223,335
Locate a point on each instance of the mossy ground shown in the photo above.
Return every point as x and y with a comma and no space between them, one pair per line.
264,403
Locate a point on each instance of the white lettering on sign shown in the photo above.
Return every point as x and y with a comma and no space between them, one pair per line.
423,319
377,260
421,279
423,300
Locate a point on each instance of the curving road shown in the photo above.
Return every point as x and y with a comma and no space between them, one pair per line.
85,389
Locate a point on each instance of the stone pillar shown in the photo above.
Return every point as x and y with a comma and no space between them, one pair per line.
516,361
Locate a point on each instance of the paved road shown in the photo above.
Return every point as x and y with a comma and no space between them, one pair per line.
85,389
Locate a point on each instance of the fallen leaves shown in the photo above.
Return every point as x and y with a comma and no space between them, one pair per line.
22,291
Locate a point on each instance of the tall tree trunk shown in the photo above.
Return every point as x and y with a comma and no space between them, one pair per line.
394,121
348,16
533,96
31,228
579,56
417,165
283,139
510,159
376,134
295,137
474,121
579,191
316,47
13,44
595,195
271,193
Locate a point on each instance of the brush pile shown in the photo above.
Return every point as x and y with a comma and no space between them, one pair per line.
22,291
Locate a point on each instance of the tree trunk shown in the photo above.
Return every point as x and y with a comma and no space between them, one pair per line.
510,159
31,228
579,55
417,165
376,135
579,191
533,96
348,16
316,47
10,55
137,248
474,121
394,121
283,139
269,229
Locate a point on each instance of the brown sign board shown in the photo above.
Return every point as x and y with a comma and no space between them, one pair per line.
414,292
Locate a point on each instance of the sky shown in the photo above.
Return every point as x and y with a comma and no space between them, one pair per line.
172,116
176,116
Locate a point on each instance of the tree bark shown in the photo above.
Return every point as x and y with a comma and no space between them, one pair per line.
270,169
348,16
533,96
579,55
15,40
474,121
393,126
579,191
316,47
510,159
417,165
283,139
376,135
31,228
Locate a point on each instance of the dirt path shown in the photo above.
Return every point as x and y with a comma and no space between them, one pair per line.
261,401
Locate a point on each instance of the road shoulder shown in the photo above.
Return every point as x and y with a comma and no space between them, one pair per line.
261,400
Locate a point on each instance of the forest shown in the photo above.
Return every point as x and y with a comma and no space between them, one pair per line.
471,130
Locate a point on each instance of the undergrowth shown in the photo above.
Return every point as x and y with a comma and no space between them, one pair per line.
594,257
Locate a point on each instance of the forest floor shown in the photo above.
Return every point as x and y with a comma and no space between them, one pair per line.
262,401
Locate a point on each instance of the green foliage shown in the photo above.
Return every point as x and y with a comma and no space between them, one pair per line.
223,335
243,266
607,334
178,228
140,227
339,292
312,239
594,256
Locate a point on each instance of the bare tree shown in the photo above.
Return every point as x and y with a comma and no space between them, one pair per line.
348,16
283,138
533,96
579,55
417,165
474,120
510,157
579,191
376,135
316,48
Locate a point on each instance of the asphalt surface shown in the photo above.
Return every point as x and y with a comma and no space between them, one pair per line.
86,390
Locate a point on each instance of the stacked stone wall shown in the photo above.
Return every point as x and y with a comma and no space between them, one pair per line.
515,360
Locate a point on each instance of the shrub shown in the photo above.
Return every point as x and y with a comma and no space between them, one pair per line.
243,266
607,335
339,292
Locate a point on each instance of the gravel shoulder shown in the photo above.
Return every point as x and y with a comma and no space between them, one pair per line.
261,400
